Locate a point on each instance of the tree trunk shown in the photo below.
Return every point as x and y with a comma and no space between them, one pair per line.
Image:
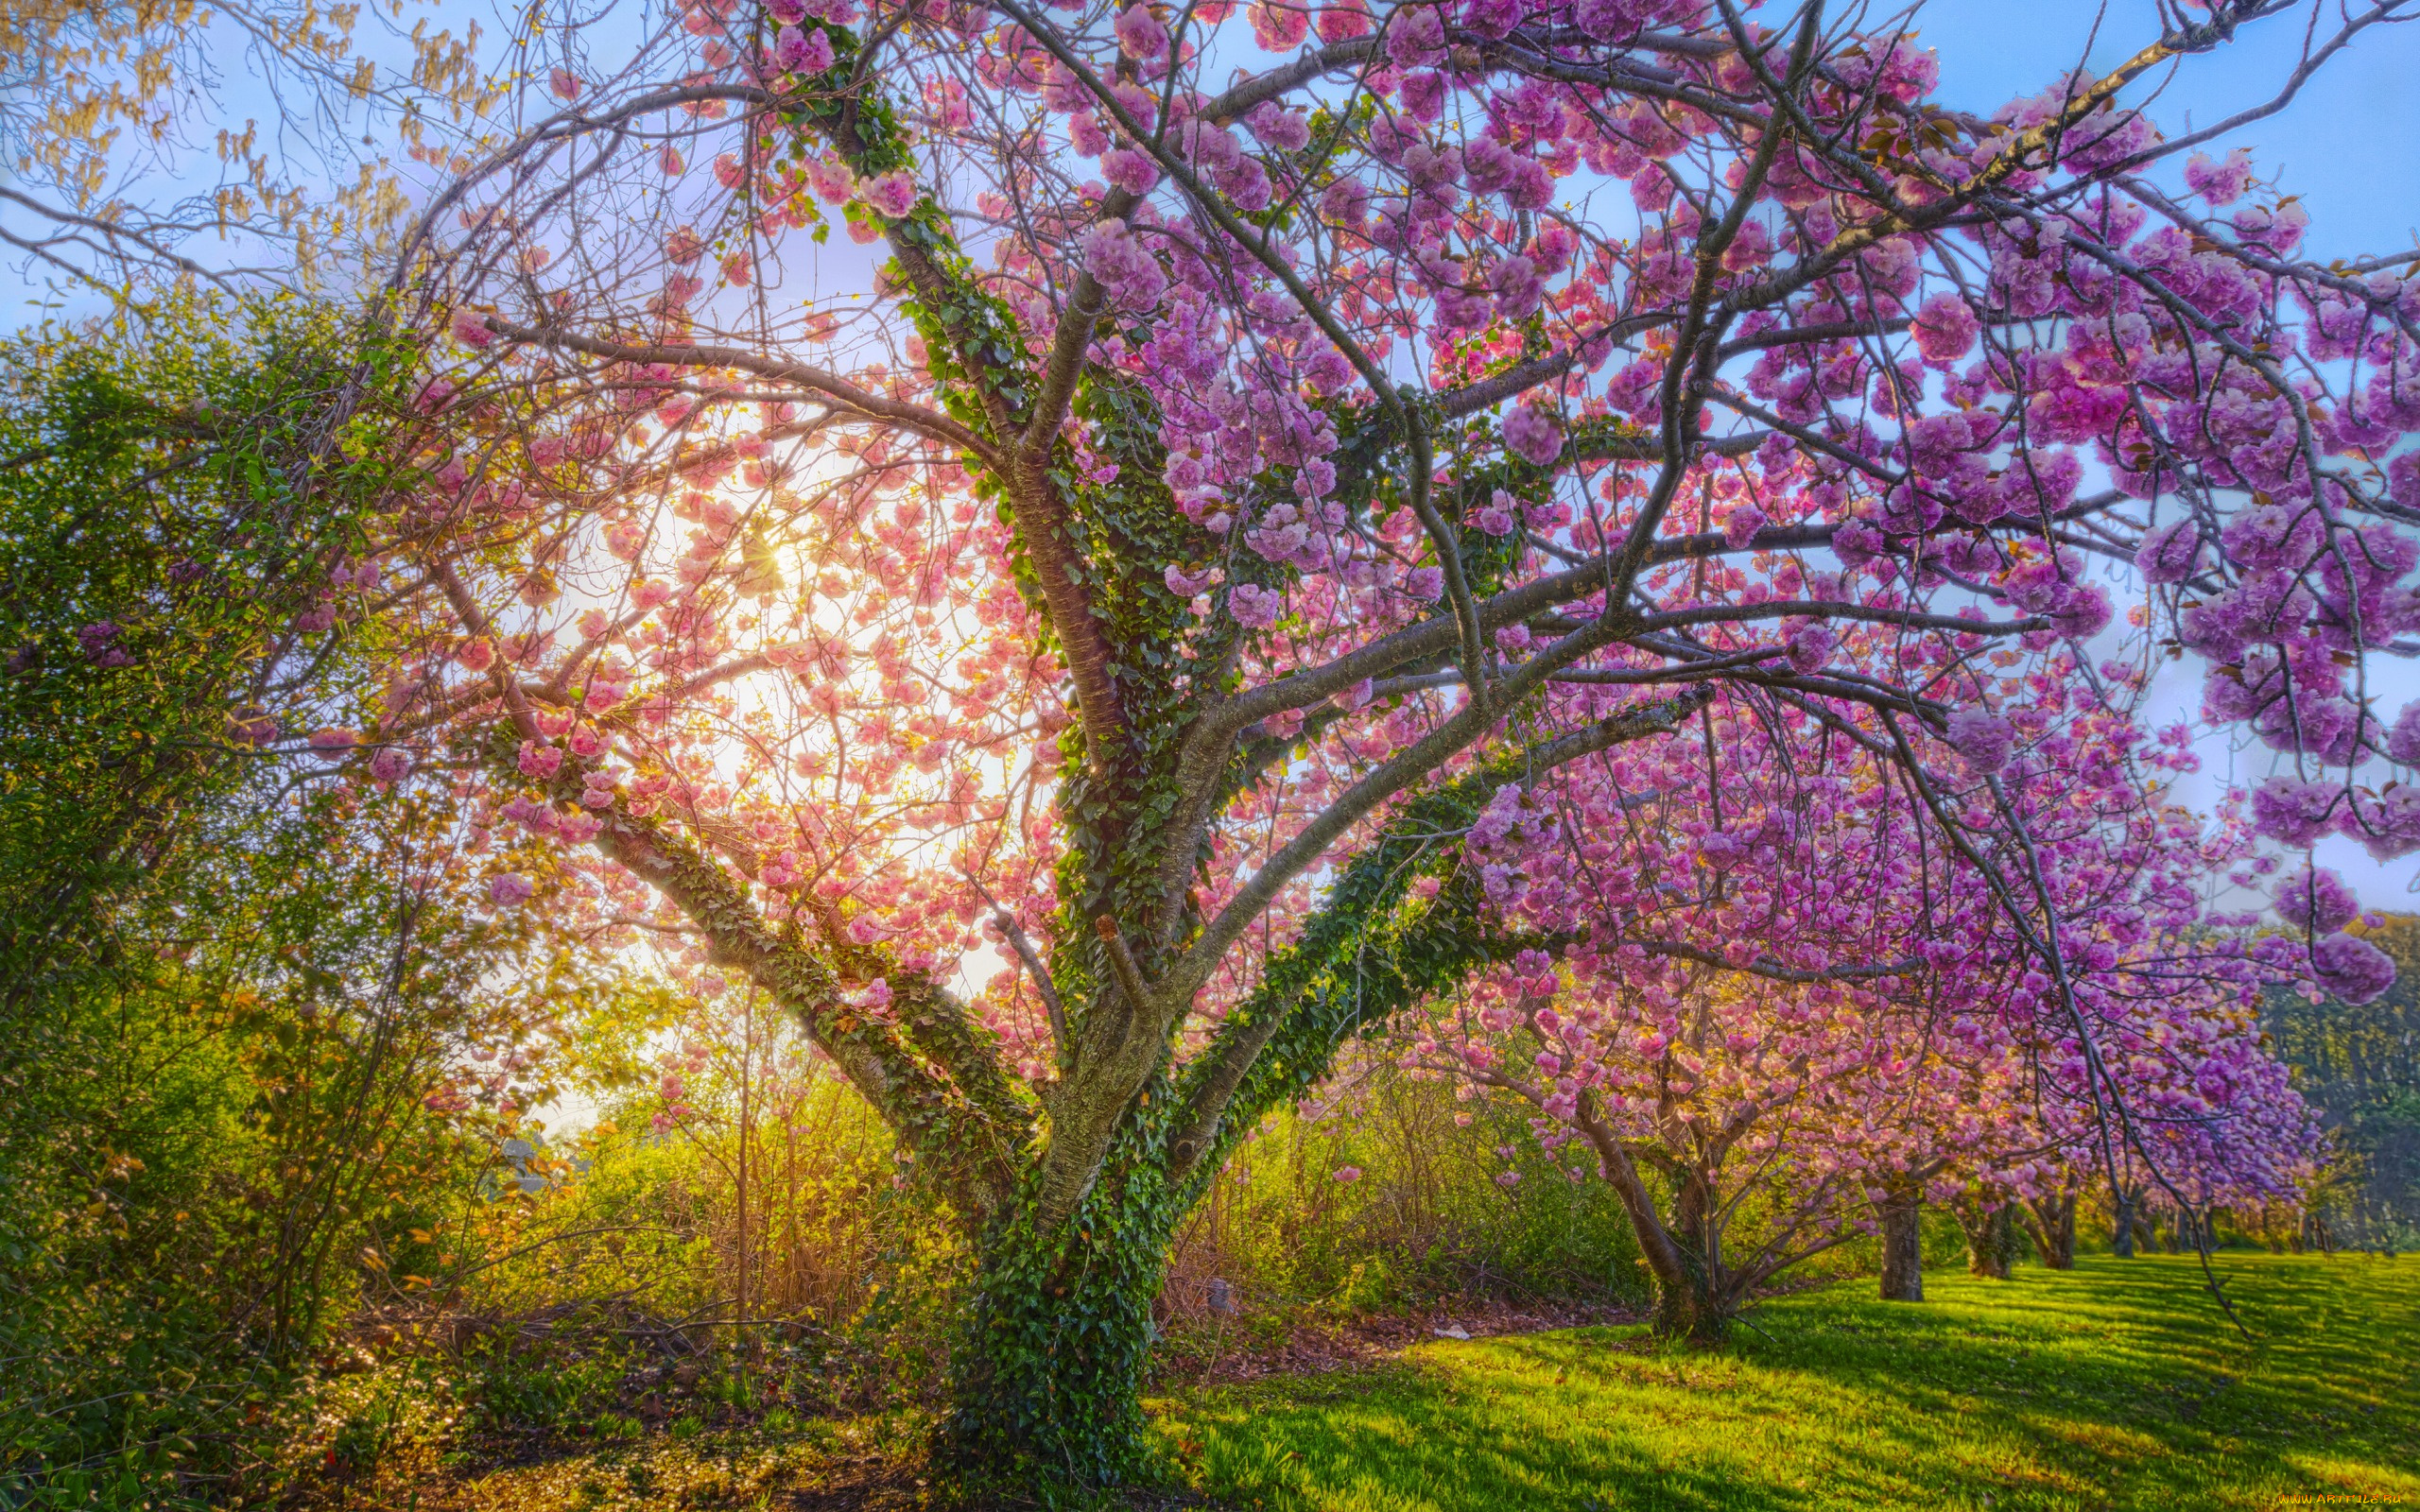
1046,1381
2053,1223
1688,1304
1990,1239
2122,1240
1710,1305
1903,1248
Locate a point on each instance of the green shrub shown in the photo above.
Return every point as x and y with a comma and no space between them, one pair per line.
1392,1192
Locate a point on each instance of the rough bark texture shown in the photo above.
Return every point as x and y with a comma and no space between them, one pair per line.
1712,1296
2314,1235
2053,1223
2121,1239
1903,1246
1689,1303
1991,1239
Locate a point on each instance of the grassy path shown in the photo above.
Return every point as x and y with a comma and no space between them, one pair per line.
2114,1386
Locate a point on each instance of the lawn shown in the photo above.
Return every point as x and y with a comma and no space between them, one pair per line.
2117,1385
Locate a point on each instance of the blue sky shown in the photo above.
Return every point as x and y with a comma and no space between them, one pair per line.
2349,144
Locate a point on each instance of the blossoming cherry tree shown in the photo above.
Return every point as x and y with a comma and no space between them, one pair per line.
1053,637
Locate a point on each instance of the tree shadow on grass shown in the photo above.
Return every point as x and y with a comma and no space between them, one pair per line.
2117,1385
2127,1370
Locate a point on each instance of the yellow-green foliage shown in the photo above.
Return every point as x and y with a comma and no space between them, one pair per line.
635,1258
220,1007
1384,1191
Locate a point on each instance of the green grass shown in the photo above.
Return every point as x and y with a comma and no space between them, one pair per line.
2117,1385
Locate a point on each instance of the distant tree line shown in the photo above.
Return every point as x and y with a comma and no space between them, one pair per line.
2361,1065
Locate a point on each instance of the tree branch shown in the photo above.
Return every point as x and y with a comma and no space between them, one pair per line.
929,422
1340,933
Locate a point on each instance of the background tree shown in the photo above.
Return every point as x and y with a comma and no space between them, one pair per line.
176,512
1780,998
230,970
2361,1063
139,159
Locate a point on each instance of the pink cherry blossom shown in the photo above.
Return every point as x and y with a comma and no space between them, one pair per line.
2352,968
2219,182
891,194
2317,901
1534,434
1984,738
1139,34
1946,329
507,889
471,329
